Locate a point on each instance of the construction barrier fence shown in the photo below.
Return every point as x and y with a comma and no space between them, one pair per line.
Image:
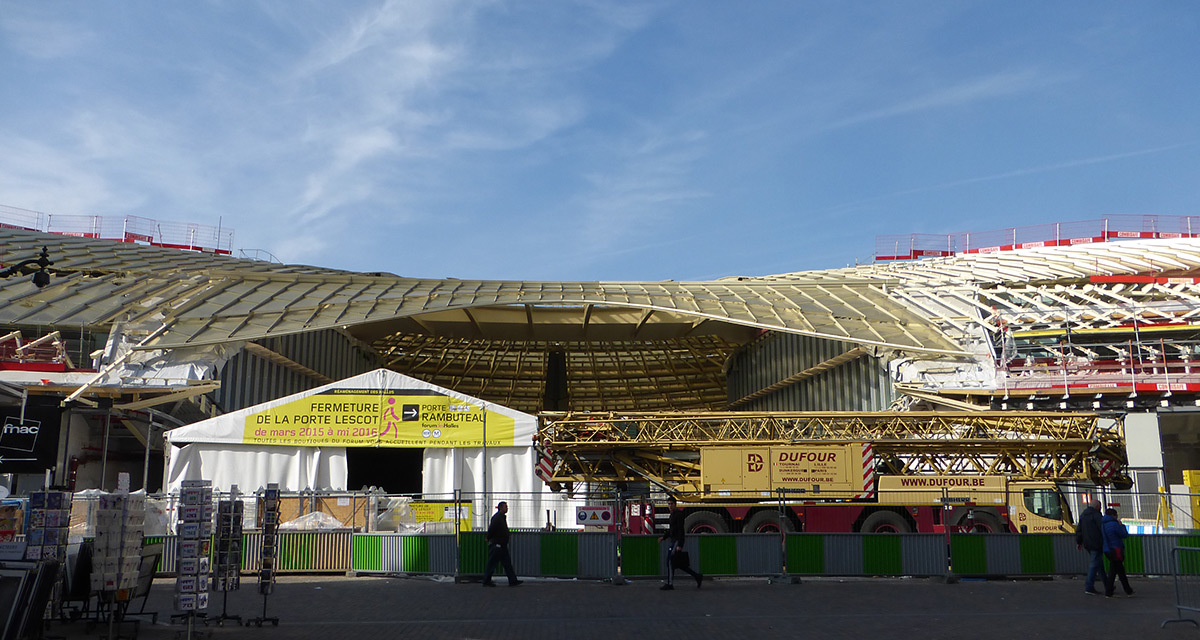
1186,563
594,555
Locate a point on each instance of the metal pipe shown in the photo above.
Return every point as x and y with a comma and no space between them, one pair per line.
104,455
146,461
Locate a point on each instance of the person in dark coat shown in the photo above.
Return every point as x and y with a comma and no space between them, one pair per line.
1089,535
674,536
1114,548
497,541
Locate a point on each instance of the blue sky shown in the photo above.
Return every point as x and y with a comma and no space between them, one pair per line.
588,140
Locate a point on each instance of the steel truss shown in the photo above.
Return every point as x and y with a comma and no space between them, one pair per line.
663,449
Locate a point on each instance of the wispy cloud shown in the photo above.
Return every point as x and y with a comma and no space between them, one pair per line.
999,85
41,38
646,189
1016,173
1070,164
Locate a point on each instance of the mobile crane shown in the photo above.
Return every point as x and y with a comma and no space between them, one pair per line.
920,471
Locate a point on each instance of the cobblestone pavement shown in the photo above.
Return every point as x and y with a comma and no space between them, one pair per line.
356,608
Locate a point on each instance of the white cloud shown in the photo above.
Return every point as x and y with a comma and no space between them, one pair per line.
989,87
36,176
650,183
407,83
41,38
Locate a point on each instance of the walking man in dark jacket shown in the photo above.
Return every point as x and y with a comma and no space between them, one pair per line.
497,541
674,536
1089,535
1114,547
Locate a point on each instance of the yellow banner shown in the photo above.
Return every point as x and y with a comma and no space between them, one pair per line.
443,512
365,418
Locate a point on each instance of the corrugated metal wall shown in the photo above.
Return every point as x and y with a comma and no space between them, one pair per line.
248,380
862,384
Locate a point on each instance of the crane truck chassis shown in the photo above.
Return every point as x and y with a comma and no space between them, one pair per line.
843,472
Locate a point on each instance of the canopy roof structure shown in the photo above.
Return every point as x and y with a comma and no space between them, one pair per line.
622,344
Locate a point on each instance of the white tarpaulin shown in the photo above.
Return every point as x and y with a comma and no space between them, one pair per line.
217,449
251,467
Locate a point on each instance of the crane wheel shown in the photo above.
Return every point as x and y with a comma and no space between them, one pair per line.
885,522
705,522
767,522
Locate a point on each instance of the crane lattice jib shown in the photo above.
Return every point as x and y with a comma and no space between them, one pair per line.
663,448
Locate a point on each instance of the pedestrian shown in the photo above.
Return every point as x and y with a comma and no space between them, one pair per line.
1114,548
1089,535
674,536
497,541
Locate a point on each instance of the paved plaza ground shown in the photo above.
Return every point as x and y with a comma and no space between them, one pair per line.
332,608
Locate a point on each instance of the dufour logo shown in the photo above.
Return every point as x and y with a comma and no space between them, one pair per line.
754,462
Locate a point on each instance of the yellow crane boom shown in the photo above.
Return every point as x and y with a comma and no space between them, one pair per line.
662,448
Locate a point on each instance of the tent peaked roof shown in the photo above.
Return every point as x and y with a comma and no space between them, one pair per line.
230,427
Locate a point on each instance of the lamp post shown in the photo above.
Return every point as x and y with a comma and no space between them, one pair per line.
41,277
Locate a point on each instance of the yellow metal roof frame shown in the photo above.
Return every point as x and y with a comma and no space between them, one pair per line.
626,344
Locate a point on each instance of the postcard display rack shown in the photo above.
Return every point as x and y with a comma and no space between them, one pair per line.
268,515
227,567
117,550
194,539
10,522
49,521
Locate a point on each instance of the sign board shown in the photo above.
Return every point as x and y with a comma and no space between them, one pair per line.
12,550
447,511
945,490
406,418
595,516
29,445
831,467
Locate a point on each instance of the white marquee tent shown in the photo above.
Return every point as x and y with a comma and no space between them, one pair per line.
231,450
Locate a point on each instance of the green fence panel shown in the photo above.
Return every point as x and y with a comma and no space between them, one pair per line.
416,554
1037,553
366,553
1135,557
1189,563
640,556
559,554
296,552
718,555
806,554
472,552
149,540
882,556
968,554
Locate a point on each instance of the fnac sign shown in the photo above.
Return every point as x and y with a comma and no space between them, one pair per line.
17,435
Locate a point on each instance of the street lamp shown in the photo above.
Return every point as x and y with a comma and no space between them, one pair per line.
41,277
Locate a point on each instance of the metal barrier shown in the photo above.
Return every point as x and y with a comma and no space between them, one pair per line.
1186,568
594,555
